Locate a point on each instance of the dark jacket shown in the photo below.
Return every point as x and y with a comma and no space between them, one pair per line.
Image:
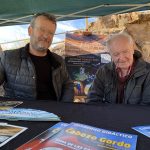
17,72
137,88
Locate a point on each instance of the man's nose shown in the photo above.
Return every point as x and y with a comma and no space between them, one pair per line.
47,36
121,57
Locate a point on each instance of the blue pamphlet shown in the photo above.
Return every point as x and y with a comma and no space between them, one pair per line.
28,115
75,136
80,136
143,129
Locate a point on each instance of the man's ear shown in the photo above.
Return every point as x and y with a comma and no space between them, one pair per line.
30,30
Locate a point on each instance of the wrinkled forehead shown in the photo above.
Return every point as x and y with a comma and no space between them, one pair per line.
120,41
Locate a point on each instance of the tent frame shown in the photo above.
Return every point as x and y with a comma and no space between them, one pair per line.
76,14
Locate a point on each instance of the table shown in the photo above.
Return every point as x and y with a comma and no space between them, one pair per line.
114,117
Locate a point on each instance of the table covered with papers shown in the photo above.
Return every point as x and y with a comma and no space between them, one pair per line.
119,118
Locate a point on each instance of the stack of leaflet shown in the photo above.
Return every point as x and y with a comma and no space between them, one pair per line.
28,115
63,136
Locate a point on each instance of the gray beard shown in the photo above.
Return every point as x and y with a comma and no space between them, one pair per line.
41,49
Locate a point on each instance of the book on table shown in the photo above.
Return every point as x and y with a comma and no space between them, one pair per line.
75,136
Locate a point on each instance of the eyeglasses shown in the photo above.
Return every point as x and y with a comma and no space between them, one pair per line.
44,31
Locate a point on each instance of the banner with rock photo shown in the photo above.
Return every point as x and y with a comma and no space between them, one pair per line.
84,54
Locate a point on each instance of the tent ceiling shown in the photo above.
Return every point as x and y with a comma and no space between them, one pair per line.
21,11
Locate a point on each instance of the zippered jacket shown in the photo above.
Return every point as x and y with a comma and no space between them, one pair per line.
136,90
18,76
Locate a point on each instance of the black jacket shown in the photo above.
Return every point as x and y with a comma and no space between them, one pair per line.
18,75
137,88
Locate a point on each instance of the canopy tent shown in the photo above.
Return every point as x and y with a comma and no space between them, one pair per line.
21,11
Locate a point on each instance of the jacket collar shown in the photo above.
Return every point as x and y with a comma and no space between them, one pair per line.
25,54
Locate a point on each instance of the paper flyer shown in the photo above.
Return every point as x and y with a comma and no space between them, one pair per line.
8,132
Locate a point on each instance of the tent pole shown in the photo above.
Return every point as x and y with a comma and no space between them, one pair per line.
16,19
86,23
133,8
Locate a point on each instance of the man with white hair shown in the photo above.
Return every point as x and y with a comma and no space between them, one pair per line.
126,80
33,72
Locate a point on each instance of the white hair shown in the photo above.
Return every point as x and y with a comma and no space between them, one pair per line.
119,35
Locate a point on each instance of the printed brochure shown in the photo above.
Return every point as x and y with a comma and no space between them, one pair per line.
8,132
77,136
46,135
28,115
143,129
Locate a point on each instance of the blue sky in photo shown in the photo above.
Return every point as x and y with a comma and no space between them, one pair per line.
20,32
